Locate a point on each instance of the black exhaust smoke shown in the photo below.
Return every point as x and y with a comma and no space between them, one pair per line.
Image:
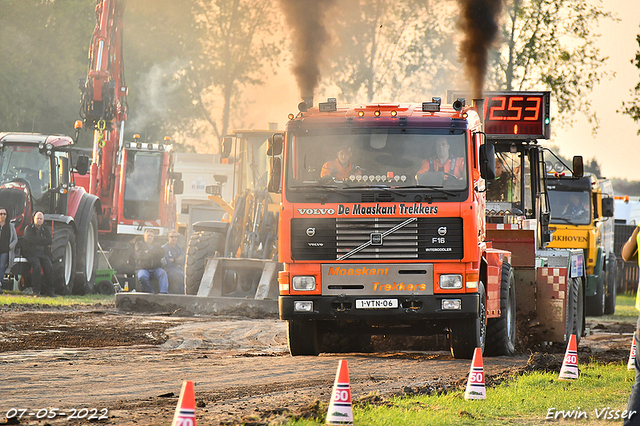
479,22
305,19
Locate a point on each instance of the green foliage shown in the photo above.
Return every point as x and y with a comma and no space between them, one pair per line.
551,45
389,50
632,107
43,51
626,187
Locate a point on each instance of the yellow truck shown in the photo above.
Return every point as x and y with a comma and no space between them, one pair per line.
582,217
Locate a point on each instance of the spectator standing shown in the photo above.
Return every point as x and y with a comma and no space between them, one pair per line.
149,262
630,252
8,241
174,264
36,247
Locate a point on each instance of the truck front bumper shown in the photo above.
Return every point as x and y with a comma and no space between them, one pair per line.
343,307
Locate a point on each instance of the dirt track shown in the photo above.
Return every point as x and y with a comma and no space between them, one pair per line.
132,366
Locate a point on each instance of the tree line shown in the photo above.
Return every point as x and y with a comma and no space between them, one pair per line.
190,65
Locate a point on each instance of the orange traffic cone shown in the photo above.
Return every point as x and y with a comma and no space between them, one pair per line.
475,382
569,370
340,410
631,365
186,410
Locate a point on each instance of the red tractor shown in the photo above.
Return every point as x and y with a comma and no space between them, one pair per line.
35,175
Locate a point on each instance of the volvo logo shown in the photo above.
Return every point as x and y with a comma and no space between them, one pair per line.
442,231
376,239
311,232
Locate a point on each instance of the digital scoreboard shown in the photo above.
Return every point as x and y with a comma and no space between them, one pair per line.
514,114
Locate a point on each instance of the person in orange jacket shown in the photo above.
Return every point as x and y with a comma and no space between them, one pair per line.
341,168
443,161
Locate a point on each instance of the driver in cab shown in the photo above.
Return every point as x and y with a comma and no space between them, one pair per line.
443,162
341,168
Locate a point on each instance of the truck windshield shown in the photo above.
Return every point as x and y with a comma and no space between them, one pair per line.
27,164
403,159
142,185
570,207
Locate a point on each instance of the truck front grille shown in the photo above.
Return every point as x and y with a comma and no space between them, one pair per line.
332,239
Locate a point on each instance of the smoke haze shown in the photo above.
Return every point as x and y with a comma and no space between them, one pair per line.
479,22
305,19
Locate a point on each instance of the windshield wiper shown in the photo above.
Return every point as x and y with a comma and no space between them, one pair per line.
386,188
313,186
430,187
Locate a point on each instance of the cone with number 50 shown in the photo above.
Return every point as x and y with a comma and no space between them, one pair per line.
340,410
569,370
185,414
475,383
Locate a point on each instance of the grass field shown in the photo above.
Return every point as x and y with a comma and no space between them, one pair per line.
9,297
597,397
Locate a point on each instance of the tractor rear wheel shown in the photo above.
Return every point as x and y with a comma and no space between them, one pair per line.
63,255
87,255
202,245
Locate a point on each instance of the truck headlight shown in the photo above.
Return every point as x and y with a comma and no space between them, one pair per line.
450,281
304,283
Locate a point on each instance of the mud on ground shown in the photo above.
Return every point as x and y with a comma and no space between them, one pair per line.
133,365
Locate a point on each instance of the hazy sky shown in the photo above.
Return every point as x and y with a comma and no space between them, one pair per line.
611,146
616,146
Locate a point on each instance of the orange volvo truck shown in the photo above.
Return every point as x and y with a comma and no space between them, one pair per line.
383,230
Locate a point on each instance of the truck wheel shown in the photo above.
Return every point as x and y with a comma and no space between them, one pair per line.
595,303
202,245
303,337
501,332
63,255
611,290
574,320
87,256
468,335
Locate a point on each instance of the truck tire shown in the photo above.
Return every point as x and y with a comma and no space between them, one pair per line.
302,337
202,245
468,335
595,303
63,256
611,290
501,332
574,320
87,254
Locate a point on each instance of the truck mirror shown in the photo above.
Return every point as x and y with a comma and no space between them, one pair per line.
275,175
275,144
487,161
220,178
608,207
178,187
227,143
578,166
82,165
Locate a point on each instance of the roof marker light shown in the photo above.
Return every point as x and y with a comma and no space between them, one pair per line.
376,113
360,113
394,113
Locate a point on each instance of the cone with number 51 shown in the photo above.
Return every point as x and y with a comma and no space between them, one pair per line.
475,382
569,370
340,410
